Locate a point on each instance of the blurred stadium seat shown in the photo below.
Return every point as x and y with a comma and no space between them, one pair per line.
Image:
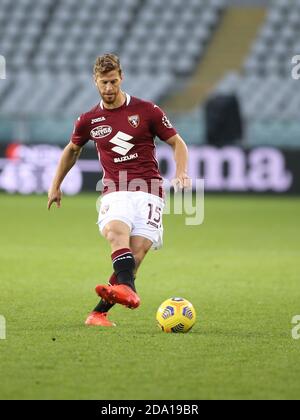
266,89
51,46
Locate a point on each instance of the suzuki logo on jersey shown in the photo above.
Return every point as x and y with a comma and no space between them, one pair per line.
134,120
125,158
121,140
101,131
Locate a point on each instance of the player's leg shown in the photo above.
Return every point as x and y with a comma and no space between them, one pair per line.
118,235
98,316
144,235
139,247
138,244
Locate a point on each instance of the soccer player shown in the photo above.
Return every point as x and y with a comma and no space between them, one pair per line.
130,216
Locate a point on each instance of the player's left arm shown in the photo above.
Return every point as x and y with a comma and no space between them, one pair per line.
182,180
162,127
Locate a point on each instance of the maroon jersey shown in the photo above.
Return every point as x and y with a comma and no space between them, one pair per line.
124,139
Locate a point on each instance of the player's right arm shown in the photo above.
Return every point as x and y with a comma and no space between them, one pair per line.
68,159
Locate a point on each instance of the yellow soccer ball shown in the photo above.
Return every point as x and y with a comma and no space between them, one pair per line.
176,315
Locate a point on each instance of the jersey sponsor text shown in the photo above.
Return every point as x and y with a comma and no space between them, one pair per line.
125,158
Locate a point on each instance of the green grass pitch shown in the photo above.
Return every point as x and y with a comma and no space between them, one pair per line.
240,269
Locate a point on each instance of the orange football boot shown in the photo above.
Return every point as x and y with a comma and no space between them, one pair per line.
99,319
119,293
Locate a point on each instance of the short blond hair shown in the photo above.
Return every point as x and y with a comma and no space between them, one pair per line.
106,63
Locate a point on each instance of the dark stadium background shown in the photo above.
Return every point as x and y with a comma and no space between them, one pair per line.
223,74
227,74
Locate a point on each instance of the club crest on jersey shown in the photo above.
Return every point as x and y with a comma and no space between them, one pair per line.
134,120
101,131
